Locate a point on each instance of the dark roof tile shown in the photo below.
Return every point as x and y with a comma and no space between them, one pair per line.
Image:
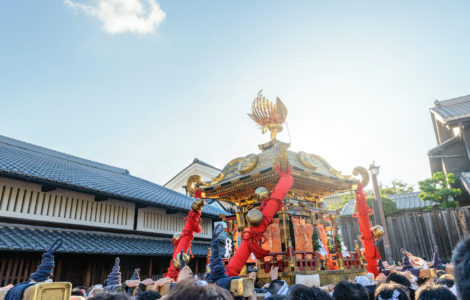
30,162
36,239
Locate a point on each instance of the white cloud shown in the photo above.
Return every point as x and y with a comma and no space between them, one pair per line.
119,16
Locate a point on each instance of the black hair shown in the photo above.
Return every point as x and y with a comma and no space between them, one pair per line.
318,294
445,281
275,286
350,291
78,291
434,292
461,260
300,292
371,291
107,296
149,295
399,278
386,290
276,297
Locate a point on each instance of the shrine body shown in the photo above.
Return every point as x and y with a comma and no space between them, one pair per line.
303,238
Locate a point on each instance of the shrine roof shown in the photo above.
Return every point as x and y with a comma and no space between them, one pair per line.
38,239
311,173
40,165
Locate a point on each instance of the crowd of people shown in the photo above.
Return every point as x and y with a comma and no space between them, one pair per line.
397,285
392,282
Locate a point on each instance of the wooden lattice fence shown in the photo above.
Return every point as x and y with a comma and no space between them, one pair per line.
418,232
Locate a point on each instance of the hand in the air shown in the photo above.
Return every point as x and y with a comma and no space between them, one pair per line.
148,281
274,273
185,273
162,281
132,283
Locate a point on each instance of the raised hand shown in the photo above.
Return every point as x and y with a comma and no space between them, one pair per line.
274,273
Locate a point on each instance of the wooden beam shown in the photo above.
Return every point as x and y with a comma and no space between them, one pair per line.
170,211
47,188
150,267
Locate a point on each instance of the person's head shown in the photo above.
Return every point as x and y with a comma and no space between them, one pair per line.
299,292
443,280
347,290
461,260
318,294
275,286
434,292
192,289
302,292
78,291
107,296
149,295
399,278
276,297
391,291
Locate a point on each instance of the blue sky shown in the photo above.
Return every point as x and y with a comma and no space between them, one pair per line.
358,79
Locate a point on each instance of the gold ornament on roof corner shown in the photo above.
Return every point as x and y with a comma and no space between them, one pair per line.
308,160
247,163
268,115
364,174
192,183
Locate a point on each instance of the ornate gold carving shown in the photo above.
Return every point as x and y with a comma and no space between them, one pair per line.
261,193
247,163
308,160
268,115
192,183
335,172
364,174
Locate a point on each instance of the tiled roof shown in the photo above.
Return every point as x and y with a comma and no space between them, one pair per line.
404,201
38,239
349,208
452,110
442,147
409,201
37,164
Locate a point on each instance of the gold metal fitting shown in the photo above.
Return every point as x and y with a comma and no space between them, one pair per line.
176,235
261,193
254,217
197,205
177,260
378,231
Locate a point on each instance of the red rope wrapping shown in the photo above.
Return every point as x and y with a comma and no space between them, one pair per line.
192,225
371,251
251,238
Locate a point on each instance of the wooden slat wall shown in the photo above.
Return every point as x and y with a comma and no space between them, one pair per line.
16,270
418,232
